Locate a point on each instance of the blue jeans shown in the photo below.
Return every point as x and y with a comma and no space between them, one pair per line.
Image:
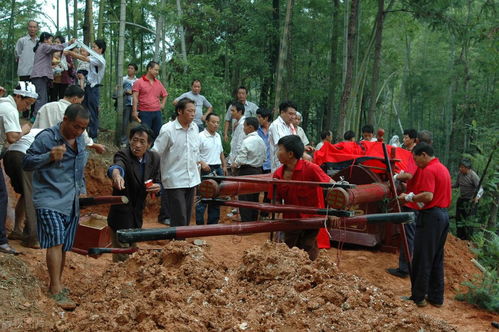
4,196
151,119
213,210
91,103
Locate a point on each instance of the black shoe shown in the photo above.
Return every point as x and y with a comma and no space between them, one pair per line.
397,272
165,221
435,304
420,304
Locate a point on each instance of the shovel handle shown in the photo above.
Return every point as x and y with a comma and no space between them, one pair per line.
100,251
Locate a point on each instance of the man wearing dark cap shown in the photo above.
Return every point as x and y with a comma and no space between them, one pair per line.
467,181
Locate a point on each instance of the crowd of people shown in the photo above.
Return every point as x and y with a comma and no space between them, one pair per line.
45,161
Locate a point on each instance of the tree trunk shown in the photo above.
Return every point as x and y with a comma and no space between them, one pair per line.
100,23
68,26
273,54
10,74
160,21
182,35
376,63
119,78
88,26
347,87
75,18
333,70
283,52
57,18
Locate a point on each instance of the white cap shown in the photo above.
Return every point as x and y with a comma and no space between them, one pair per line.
27,90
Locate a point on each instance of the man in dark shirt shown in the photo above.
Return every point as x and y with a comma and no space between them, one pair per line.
467,181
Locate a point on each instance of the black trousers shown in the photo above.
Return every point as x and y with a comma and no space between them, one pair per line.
180,202
464,209
410,230
249,214
427,277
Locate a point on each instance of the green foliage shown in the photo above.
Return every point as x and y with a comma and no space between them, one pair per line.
484,291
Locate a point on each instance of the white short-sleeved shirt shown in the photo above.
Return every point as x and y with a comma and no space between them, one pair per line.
178,149
210,148
252,152
237,139
9,118
277,130
25,141
249,111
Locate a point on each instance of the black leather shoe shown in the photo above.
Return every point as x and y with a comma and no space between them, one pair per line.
165,221
398,273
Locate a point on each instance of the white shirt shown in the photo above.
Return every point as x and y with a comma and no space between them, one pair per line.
25,141
277,130
300,132
252,152
249,111
52,113
9,118
210,148
237,139
319,146
96,70
178,149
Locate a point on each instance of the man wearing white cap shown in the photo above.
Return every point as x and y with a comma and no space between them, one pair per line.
10,132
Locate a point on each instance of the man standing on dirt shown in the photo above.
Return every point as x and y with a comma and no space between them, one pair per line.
11,131
57,158
200,100
249,110
132,167
467,181
25,56
149,98
178,147
282,126
432,194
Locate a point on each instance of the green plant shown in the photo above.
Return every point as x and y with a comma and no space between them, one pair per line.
483,293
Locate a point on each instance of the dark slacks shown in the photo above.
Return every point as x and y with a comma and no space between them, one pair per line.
410,230
464,209
427,277
180,200
249,214
91,102
213,210
4,196
127,114
306,240
41,85
153,120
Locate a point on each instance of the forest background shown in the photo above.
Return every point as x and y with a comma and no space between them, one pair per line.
396,64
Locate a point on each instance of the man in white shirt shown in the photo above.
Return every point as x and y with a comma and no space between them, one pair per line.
52,113
368,134
282,126
212,162
200,100
249,111
249,161
10,130
178,147
299,130
237,112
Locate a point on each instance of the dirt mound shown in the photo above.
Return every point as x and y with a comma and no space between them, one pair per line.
182,289
458,265
20,297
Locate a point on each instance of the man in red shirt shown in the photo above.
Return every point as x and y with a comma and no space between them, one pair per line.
432,195
149,98
290,151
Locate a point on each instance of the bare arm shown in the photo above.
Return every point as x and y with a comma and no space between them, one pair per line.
77,56
226,130
135,105
163,102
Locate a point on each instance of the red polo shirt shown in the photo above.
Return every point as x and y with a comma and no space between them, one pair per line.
434,178
304,195
149,94
412,169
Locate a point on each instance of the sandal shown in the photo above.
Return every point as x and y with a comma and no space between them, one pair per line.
6,249
64,301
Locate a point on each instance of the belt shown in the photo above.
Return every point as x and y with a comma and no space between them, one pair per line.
249,166
215,166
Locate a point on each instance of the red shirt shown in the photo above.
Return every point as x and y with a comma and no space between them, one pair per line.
434,178
149,94
303,195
